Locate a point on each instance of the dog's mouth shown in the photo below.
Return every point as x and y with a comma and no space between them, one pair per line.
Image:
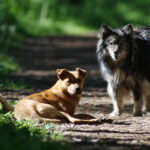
75,92
78,92
116,57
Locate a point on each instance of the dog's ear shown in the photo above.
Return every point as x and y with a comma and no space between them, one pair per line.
82,72
62,73
104,30
128,29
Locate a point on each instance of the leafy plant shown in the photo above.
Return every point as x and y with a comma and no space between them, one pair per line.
16,135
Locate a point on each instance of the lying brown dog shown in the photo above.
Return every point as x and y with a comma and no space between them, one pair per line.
56,104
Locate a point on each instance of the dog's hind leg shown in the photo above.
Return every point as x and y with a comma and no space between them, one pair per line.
146,107
117,98
137,109
49,113
138,102
146,97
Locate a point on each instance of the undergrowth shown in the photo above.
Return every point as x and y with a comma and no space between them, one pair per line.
8,65
25,135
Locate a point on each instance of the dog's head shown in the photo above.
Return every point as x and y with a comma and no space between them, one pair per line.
116,43
71,81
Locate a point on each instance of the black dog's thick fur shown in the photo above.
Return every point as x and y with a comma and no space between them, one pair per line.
124,60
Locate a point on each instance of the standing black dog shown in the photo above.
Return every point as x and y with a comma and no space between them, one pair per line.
124,60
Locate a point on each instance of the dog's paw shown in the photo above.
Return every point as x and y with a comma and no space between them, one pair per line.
114,114
146,113
137,114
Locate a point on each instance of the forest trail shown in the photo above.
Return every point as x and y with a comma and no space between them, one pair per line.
41,56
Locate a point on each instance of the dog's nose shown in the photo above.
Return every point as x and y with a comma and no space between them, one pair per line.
116,52
78,90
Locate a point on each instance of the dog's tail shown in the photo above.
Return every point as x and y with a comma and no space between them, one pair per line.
6,105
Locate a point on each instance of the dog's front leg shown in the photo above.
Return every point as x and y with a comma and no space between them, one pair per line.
116,96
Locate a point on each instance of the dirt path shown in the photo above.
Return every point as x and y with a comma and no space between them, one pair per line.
40,57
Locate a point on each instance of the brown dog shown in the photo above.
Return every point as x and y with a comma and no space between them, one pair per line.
58,103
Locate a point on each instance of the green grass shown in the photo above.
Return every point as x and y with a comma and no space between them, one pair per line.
25,135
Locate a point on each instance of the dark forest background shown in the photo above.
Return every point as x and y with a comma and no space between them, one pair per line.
23,18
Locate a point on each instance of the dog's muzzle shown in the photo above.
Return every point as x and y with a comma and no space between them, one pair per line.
78,90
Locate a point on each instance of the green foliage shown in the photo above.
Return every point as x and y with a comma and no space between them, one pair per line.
9,38
19,18
56,16
16,135
44,17
9,28
8,83
7,65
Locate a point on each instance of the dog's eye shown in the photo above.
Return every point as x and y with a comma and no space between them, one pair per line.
68,81
111,43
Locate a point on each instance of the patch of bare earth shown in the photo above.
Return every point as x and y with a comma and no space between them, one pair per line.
40,57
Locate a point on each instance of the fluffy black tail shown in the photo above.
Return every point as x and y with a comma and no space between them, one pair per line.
143,31
6,105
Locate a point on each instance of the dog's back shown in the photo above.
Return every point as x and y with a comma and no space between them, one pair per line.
142,39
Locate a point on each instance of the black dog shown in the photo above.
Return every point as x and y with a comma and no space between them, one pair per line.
124,60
